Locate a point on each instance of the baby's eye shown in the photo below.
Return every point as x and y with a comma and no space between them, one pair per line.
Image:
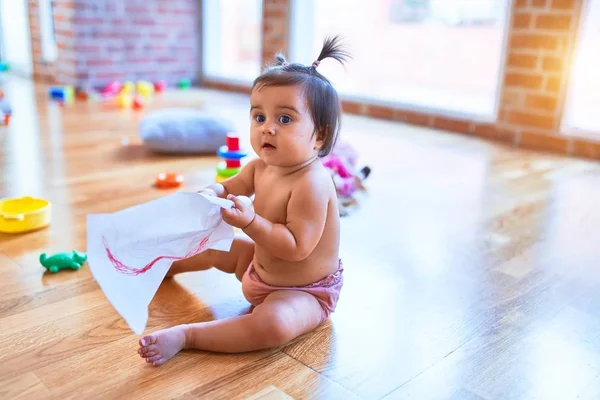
285,119
259,118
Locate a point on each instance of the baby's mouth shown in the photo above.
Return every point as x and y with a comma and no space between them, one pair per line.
268,146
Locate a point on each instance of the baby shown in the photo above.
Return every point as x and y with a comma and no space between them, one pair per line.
288,259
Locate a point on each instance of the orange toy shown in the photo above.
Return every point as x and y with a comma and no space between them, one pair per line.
138,103
167,180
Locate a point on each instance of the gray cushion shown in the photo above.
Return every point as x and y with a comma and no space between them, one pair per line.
180,130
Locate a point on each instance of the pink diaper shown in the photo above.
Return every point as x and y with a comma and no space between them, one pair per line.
326,291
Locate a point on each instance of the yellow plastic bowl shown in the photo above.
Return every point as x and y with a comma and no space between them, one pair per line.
24,214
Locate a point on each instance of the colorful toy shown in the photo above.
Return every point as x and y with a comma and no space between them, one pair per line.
82,93
123,100
138,102
160,86
145,88
59,261
184,84
233,155
5,112
348,182
24,214
62,93
168,180
112,89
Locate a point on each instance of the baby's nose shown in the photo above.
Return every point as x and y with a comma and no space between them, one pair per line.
269,129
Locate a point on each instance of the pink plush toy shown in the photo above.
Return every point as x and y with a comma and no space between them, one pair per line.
344,180
347,180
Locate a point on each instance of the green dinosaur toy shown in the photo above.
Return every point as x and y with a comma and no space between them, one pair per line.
64,260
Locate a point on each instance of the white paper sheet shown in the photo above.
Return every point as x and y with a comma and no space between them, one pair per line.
130,251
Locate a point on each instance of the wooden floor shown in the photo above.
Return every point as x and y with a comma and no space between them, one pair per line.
472,270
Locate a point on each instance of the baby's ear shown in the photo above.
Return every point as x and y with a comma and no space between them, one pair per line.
322,135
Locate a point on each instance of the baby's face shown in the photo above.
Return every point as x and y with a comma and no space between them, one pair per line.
281,128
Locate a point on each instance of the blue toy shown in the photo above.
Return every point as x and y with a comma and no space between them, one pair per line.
65,94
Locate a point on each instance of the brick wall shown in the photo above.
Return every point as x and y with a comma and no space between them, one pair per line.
64,67
275,28
535,80
103,40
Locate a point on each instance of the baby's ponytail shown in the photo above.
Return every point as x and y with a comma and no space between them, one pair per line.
280,59
332,48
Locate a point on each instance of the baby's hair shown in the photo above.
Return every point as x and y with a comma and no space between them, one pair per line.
322,99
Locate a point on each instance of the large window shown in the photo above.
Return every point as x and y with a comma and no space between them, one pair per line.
583,102
15,36
443,55
231,39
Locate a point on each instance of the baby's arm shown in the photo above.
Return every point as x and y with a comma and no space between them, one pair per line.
241,184
306,216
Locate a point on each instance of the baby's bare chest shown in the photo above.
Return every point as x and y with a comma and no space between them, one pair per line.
271,199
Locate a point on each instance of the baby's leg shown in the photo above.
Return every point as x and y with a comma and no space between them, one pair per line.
283,316
236,260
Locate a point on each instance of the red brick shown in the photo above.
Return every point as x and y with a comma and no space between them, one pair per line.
110,75
512,97
83,48
274,13
563,4
139,9
519,4
380,112
550,63
541,102
65,33
521,20
83,21
147,22
586,148
494,132
451,124
413,118
62,18
553,84
523,80
540,141
351,107
528,119
522,60
533,41
539,3
553,22
99,62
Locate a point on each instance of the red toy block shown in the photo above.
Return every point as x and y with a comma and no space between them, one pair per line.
232,142
233,163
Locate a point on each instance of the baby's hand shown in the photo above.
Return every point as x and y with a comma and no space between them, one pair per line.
240,215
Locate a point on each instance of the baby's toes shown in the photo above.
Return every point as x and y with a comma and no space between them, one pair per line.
153,358
148,340
151,353
147,352
158,362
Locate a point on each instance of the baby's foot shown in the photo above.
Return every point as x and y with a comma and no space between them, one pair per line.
160,346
